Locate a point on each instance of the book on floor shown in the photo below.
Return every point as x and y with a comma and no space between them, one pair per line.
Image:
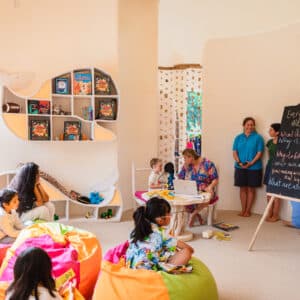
226,226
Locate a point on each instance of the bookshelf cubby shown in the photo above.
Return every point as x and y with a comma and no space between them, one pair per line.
88,96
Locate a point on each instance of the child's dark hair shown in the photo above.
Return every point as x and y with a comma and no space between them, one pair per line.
6,195
24,182
154,161
145,215
276,126
169,168
32,268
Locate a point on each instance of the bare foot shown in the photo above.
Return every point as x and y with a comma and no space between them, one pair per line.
274,219
241,214
247,214
287,223
269,219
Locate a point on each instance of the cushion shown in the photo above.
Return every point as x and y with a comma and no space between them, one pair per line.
75,256
139,196
116,282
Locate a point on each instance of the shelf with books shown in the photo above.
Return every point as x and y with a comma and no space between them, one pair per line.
106,109
39,128
38,107
82,82
85,95
62,84
71,129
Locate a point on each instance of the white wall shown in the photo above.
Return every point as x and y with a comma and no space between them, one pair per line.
185,26
255,75
250,68
50,37
138,56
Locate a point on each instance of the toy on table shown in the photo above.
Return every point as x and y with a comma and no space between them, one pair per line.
95,198
107,214
169,169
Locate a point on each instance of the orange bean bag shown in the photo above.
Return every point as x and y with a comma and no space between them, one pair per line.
75,256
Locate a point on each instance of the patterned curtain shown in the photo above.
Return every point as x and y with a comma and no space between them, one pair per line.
180,88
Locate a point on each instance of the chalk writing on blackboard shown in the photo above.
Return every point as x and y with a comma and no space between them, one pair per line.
285,172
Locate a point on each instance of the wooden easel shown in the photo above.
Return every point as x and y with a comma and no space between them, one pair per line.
285,166
273,196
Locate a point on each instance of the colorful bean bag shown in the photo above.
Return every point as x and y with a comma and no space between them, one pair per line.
75,255
3,249
116,282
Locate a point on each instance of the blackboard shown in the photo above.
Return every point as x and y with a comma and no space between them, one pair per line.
285,172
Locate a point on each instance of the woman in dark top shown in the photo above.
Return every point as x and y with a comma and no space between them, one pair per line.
34,201
273,215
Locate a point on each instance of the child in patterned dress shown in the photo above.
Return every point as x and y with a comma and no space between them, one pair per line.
151,247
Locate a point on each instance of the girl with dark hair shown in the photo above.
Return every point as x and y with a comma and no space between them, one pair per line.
34,201
151,245
247,150
10,224
273,214
169,171
32,277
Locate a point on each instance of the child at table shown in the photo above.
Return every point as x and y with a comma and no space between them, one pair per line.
10,224
151,247
169,174
157,179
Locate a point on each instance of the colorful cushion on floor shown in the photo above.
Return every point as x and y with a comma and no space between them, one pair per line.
139,196
75,255
116,282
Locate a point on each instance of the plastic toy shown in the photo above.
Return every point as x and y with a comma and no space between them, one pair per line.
107,214
95,198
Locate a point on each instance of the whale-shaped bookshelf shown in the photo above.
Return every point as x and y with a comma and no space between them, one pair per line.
80,105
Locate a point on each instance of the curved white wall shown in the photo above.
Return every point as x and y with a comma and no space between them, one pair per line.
255,75
251,67
185,26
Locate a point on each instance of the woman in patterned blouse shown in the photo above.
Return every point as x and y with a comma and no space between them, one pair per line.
204,172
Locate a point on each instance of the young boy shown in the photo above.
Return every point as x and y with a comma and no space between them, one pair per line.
10,224
157,179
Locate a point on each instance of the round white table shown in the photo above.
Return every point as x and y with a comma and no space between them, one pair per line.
180,215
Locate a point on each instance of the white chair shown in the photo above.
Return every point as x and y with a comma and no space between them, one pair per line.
139,183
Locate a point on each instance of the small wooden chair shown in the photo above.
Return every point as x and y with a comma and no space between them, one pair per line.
139,184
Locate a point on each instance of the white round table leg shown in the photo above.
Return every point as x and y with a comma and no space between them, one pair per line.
178,224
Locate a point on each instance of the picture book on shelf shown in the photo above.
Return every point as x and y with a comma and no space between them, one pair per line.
39,129
72,130
107,109
102,83
82,84
36,107
226,226
62,85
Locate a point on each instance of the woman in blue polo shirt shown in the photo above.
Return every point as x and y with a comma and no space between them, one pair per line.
247,151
